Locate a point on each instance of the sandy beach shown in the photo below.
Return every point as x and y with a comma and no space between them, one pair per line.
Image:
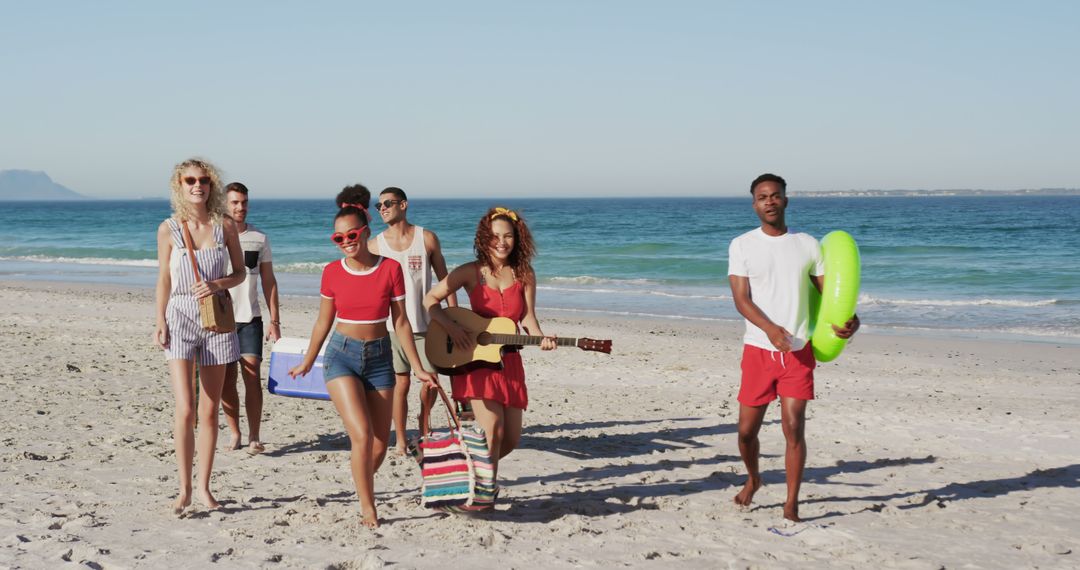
923,453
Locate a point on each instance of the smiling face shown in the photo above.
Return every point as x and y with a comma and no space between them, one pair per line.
502,241
770,200
195,184
236,206
353,233
393,212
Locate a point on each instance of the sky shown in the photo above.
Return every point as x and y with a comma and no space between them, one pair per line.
554,98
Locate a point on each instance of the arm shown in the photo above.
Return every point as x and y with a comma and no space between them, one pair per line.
463,276
530,323
270,290
438,263
403,330
164,285
740,291
851,326
323,322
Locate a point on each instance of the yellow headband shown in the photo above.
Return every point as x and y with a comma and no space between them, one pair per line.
504,212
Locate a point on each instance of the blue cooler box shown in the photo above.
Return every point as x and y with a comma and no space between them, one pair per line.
289,352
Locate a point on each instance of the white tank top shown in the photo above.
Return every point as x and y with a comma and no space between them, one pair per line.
417,272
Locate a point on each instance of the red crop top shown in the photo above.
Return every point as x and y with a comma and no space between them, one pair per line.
363,296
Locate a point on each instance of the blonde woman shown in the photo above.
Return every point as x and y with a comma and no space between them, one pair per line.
198,203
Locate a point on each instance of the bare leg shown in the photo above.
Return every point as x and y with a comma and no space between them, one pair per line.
511,430
380,405
183,427
401,410
793,418
230,404
253,400
211,379
347,394
750,418
490,415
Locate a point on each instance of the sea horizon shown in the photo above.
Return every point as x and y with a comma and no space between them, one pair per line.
923,272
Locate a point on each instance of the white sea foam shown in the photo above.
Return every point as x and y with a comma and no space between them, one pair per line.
1049,333
871,300
637,314
83,260
667,294
302,267
590,280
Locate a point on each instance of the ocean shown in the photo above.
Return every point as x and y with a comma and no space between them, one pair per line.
979,266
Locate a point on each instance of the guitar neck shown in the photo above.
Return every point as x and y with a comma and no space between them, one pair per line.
528,340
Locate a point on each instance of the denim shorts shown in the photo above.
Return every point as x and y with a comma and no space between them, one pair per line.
251,337
367,360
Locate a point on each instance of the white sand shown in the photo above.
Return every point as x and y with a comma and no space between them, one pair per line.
924,453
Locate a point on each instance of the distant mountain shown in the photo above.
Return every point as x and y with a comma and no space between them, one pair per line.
25,185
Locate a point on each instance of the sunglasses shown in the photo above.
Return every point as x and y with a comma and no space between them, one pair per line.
386,204
347,237
203,180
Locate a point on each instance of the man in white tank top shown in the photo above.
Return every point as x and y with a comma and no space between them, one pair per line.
418,252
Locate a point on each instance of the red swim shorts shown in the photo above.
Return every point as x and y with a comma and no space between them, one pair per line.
767,374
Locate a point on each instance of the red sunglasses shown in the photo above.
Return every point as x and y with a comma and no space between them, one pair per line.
349,236
191,180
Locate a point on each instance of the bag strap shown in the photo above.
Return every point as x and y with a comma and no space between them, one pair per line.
453,421
191,253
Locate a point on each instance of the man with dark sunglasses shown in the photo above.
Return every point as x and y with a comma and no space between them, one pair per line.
419,253
249,324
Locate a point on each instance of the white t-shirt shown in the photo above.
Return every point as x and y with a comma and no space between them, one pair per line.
779,268
245,296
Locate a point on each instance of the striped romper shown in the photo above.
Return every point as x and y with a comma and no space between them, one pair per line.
187,337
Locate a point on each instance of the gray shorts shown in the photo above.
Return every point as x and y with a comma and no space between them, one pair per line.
401,362
251,338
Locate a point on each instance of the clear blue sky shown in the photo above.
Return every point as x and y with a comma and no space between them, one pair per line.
554,98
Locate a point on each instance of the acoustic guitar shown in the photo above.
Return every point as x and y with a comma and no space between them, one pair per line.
490,337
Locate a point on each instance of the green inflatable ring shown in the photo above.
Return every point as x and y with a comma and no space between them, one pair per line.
839,294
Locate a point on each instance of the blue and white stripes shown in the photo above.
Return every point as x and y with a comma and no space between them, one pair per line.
187,338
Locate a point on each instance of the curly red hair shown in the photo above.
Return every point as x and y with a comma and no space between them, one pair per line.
524,248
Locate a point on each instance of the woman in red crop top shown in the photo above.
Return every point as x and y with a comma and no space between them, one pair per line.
362,290
500,283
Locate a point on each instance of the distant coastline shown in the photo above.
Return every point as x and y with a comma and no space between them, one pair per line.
931,193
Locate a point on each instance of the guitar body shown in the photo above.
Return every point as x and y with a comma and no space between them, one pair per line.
449,359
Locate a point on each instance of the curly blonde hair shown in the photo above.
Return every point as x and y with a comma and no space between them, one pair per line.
215,202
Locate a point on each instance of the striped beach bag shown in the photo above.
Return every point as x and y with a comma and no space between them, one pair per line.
455,466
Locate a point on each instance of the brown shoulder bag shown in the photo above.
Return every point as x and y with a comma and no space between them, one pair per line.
216,310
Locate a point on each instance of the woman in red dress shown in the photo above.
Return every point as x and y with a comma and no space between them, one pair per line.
500,283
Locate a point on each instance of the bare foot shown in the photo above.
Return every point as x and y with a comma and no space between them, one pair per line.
370,521
234,442
208,499
255,448
183,500
791,512
746,496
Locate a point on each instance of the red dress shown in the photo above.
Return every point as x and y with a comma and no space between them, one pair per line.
506,386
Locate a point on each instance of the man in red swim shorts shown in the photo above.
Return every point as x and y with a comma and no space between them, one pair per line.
770,270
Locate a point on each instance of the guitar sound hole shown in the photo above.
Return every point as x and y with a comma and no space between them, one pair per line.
483,339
